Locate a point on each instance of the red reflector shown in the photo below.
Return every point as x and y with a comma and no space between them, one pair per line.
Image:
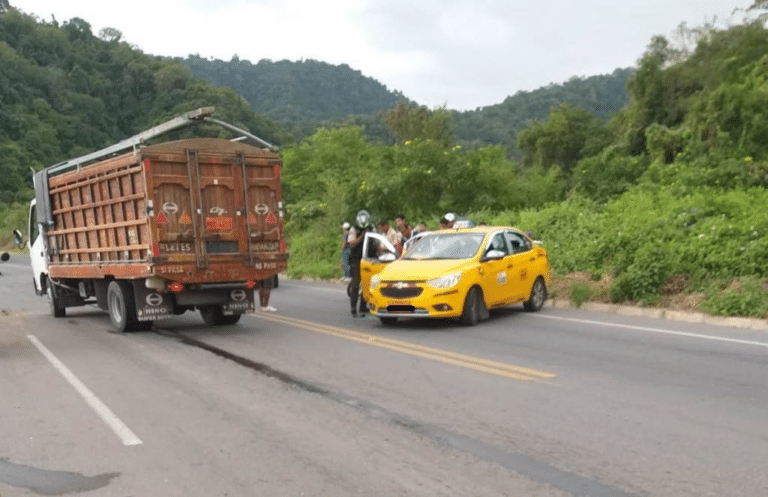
156,249
283,246
250,284
277,171
146,165
176,287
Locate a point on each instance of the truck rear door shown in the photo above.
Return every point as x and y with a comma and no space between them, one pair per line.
217,202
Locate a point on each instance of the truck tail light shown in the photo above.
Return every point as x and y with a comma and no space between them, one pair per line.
250,284
176,287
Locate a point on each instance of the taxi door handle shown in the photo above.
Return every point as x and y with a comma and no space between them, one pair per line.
510,266
533,258
367,269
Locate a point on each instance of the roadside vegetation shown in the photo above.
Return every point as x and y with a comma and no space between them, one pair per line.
661,204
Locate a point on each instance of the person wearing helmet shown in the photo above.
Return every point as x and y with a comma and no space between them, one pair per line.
355,239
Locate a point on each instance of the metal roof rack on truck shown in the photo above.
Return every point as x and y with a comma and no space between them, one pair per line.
197,116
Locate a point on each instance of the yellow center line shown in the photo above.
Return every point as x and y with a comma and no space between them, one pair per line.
444,356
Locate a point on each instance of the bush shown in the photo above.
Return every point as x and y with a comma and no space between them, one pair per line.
745,297
315,254
580,293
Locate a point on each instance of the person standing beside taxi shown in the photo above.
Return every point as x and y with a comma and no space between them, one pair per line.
394,237
403,227
355,239
345,251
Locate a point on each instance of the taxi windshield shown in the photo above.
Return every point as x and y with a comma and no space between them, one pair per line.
446,246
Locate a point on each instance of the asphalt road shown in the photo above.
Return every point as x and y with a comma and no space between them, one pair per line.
310,401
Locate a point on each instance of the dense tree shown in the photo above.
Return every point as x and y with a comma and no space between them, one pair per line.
568,135
409,122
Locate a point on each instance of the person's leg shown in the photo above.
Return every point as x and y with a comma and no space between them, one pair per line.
345,262
354,287
264,293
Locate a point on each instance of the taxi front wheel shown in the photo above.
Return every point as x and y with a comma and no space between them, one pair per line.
473,304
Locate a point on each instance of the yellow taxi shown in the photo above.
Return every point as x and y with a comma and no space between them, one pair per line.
454,273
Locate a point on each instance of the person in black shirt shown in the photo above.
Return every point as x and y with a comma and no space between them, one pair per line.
355,239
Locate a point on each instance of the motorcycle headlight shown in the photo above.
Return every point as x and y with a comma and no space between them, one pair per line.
446,281
375,281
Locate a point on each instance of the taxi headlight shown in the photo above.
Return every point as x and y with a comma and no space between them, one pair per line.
446,281
375,281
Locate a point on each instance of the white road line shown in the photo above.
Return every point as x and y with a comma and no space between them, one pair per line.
659,330
117,426
19,266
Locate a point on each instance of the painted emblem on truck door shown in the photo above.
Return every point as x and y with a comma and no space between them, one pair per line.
170,208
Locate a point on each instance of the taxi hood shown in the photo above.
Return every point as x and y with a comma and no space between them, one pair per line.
423,270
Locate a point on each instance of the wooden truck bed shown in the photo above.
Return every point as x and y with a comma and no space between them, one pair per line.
194,211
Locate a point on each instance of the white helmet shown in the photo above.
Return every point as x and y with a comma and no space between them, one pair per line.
363,219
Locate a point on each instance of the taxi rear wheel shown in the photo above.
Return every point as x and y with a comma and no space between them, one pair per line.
472,307
538,295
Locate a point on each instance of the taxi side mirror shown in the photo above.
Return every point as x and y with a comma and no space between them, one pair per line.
388,257
494,255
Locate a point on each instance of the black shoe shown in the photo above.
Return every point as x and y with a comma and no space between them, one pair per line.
354,313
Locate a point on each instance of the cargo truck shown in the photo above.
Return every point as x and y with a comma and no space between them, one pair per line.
147,230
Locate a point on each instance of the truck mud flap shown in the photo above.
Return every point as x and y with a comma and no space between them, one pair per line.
240,301
231,300
151,305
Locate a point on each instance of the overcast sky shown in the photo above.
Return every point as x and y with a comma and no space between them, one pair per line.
462,54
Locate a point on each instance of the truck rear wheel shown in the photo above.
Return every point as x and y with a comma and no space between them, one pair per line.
122,306
214,316
57,309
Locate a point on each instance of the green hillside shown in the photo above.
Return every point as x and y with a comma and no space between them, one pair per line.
301,96
304,96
